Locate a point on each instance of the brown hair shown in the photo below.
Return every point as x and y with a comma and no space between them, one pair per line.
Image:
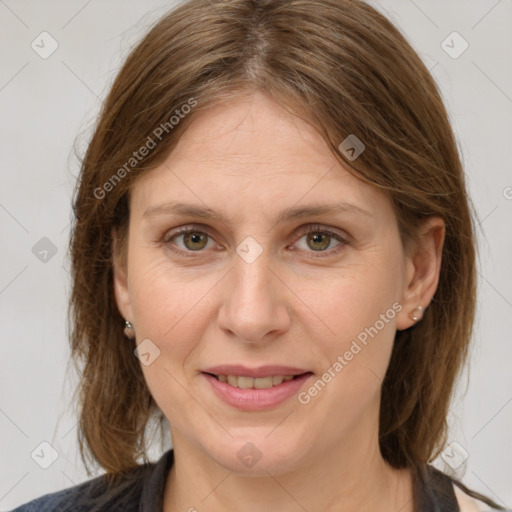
343,67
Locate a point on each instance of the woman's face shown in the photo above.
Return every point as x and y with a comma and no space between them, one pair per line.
255,290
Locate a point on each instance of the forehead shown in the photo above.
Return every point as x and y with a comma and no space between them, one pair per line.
252,130
248,154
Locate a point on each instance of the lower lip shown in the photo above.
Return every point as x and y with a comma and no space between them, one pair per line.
256,399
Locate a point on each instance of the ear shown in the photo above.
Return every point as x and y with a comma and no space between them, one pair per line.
423,265
120,273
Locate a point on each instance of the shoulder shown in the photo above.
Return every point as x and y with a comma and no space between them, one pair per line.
440,491
63,500
469,503
144,486
48,502
93,496
466,503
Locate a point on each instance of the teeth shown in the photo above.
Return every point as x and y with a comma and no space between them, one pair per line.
245,382
262,382
239,381
277,379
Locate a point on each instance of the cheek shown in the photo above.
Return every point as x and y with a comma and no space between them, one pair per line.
353,298
364,330
169,309
168,303
358,308
361,312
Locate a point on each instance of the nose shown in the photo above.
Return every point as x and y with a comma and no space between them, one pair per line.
254,308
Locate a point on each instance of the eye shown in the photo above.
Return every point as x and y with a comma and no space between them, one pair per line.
194,239
319,240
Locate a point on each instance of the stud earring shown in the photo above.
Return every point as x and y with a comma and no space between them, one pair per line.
416,314
129,332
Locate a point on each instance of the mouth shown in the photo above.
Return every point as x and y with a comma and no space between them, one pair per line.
255,389
244,382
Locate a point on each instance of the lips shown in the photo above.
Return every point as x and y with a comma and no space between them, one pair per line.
253,389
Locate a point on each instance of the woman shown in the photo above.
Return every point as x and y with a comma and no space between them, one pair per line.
273,251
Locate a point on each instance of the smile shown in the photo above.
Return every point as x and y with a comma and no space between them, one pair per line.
255,393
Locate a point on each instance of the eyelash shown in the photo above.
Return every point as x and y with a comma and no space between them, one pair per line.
184,230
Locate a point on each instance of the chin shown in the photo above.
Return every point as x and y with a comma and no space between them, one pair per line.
258,456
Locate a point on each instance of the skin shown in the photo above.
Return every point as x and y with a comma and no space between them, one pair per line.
293,305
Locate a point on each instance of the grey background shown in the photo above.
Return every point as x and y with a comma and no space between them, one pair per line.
47,103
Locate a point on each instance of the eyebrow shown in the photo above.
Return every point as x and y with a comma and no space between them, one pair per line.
292,213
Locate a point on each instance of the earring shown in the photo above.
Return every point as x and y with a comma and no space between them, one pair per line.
416,314
128,330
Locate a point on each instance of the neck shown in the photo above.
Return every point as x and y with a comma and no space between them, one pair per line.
348,479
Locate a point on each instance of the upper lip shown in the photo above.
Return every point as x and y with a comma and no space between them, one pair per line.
261,371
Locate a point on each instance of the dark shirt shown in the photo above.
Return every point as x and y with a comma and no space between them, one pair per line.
143,491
